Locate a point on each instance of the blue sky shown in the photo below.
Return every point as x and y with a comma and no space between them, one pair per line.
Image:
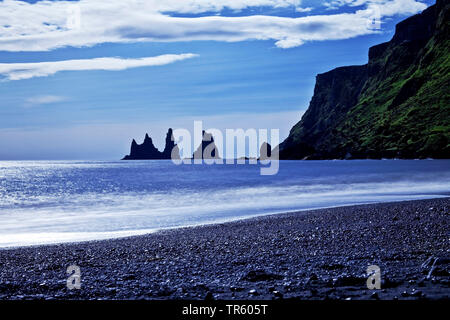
232,64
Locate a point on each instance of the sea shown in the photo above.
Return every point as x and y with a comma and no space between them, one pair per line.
48,202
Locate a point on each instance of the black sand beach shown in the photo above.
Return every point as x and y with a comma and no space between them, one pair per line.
319,254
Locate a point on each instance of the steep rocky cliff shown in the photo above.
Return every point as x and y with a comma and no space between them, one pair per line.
396,106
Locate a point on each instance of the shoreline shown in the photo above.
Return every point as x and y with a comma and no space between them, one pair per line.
216,222
310,254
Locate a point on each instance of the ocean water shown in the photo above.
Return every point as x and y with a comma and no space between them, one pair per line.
45,202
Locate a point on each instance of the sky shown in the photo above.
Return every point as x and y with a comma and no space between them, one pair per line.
80,79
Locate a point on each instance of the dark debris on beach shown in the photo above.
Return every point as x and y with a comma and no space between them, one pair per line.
319,254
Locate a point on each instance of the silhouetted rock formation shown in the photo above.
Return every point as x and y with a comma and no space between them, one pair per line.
148,151
171,150
207,149
265,152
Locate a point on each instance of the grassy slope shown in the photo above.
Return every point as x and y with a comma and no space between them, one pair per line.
407,113
403,109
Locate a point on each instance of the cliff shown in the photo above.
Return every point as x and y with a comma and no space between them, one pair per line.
396,106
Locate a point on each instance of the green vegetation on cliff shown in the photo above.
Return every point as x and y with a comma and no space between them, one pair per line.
396,106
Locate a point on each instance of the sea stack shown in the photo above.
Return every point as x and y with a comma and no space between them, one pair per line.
148,151
171,150
207,149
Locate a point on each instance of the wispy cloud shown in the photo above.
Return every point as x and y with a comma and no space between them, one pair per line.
20,71
46,25
43,99
384,7
307,9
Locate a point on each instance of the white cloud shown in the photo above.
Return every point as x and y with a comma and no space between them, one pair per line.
385,7
43,99
308,9
20,71
46,25
199,6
